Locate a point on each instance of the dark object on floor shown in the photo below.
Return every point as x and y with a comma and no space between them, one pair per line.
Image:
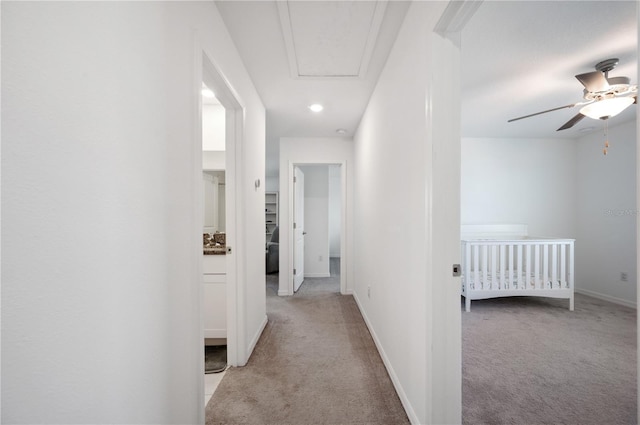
215,358
273,248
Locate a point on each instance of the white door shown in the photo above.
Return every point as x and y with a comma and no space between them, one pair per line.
298,228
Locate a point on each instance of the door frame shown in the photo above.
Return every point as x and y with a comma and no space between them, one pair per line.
288,271
449,27
207,71
297,222
444,383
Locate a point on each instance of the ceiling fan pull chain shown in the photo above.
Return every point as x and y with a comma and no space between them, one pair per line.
606,138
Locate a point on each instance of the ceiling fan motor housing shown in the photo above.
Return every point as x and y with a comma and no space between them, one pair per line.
607,65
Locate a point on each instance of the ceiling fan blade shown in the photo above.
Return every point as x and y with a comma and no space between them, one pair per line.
573,121
635,100
543,112
594,81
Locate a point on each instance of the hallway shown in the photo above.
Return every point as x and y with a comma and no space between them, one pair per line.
315,363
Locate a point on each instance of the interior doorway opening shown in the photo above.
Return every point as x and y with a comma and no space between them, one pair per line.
218,131
317,227
321,224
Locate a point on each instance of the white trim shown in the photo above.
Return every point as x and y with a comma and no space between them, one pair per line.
287,35
256,337
637,230
288,268
211,74
609,298
289,43
197,217
443,326
215,333
406,404
455,17
317,275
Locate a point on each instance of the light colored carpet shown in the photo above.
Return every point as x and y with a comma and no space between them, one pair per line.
532,361
314,364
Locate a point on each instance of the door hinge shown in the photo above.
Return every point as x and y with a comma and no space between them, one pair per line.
294,225
294,272
295,179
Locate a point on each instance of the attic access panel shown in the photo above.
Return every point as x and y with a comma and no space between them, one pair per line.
330,39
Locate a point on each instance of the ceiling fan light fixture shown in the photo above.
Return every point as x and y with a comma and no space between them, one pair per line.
606,108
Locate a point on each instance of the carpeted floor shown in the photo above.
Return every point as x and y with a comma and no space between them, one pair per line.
532,361
314,364
526,361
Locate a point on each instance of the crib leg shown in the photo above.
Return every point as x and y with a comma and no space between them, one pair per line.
571,303
467,304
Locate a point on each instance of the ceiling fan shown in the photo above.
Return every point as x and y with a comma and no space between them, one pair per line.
604,96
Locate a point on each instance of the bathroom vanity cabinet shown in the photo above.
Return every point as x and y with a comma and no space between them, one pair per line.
214,278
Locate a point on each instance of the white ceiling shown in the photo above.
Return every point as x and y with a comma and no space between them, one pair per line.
256,29
330,39
521,57
518,57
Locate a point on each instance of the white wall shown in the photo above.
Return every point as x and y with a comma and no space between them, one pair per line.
272,184
313,151
335,205
316,220
607,214
213,128
213,160
563,188
523,181
392,216
101,322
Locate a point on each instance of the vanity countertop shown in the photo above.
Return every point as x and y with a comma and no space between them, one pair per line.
214,244
218,250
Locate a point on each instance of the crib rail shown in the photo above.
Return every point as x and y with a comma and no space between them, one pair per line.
494,268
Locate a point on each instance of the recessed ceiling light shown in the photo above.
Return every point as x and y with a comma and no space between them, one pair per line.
316,107
341,131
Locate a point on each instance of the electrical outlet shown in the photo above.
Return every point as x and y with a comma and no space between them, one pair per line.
319,257
368,291
624,277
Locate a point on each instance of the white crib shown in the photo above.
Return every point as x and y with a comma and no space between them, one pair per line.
515,265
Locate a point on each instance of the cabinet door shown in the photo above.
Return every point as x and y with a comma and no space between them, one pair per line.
215,305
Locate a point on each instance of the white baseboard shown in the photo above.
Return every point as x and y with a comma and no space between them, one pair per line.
317,275
413,418
282,293
256,337
609,298
215,333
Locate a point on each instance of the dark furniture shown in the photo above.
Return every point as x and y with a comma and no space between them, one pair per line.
273,248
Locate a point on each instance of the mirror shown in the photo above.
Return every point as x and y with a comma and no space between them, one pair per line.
214,201
213,162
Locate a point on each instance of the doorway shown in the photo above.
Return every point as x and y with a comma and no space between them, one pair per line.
218,131
324,222
318,226
214,241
